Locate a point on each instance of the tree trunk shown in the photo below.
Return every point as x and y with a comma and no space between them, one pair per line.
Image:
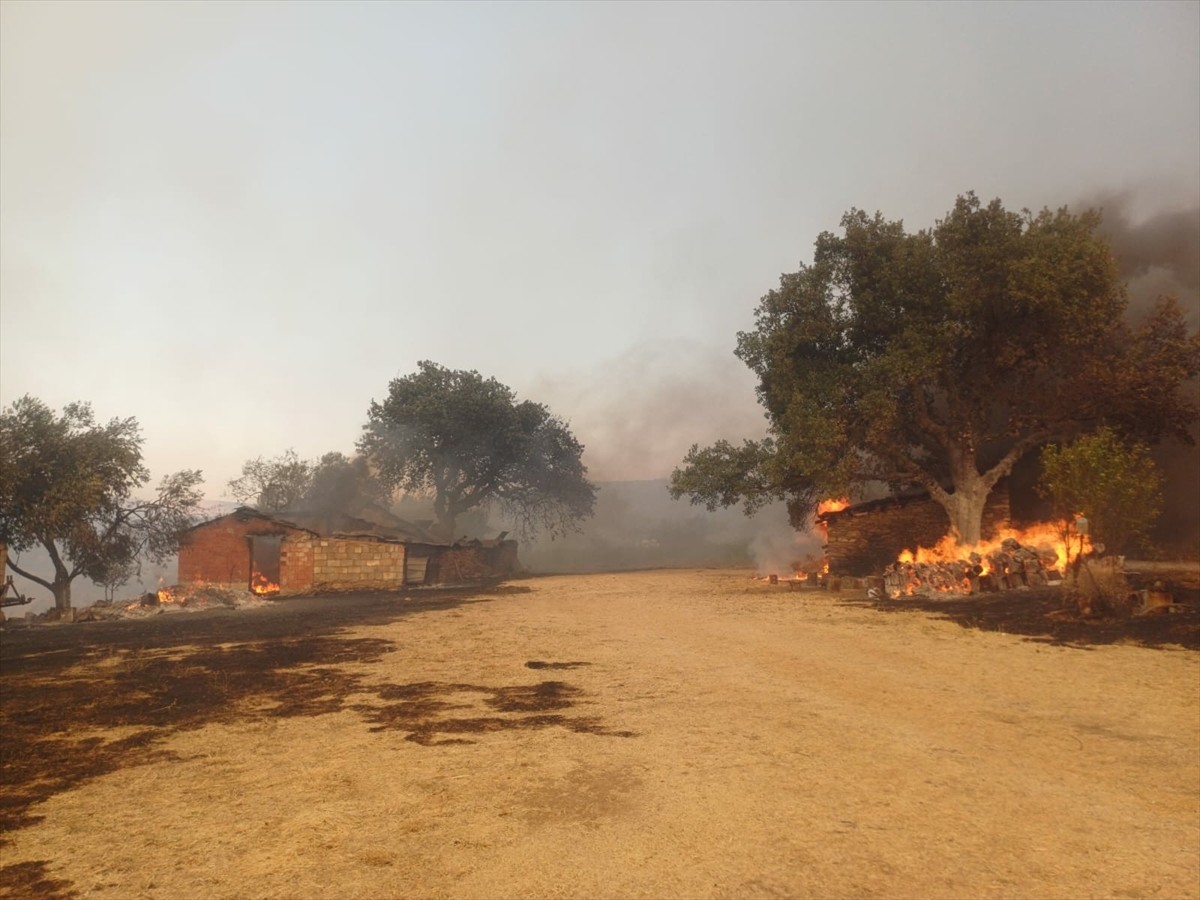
965,506
443,511
61,586
62,594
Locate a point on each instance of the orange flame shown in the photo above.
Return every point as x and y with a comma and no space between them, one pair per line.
832,505
1046,538
260,584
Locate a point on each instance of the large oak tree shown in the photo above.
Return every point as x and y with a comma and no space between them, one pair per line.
72,485
939,358
469,443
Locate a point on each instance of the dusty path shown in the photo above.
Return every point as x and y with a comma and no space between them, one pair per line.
678,734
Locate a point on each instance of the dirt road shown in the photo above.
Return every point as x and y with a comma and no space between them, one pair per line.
661,734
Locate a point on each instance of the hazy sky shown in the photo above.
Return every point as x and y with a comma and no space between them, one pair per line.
237,222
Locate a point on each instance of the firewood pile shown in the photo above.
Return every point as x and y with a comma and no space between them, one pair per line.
1011,566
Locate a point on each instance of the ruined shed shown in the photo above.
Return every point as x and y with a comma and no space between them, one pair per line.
297,553
861,539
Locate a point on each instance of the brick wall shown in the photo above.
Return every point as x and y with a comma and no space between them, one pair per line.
862,543
342,564
218,552
296,563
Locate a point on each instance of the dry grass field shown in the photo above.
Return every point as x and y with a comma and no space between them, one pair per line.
658,734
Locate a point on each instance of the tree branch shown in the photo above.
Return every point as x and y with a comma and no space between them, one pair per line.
1019,449
924,417
43,582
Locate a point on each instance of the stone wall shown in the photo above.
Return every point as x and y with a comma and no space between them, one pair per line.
862,540
344,563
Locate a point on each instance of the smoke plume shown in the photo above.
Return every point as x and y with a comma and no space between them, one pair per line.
1159,255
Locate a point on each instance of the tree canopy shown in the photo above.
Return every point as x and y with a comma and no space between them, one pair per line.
469,443
272,485
69,484
333,483
937,359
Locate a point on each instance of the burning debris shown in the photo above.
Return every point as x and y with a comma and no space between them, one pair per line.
1012,565
171,599
263,586
1034,557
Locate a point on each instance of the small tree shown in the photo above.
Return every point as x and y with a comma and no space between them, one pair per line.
116,574
68,484
272,485
469,443
334,483
1114,484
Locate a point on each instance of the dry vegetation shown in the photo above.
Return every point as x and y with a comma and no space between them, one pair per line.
672,733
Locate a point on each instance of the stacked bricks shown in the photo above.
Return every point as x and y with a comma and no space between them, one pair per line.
296,563
862,543
343,564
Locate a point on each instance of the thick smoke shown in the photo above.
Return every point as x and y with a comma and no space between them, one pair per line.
1159,254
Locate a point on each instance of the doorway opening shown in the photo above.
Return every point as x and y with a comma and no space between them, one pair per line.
264,563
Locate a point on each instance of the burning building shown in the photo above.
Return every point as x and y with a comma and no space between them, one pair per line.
298,553
865,538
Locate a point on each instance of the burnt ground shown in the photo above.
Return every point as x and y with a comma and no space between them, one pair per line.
182,671
1040,615
80,702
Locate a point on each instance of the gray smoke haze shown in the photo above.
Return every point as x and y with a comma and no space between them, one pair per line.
637,525
1158,252
638,413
